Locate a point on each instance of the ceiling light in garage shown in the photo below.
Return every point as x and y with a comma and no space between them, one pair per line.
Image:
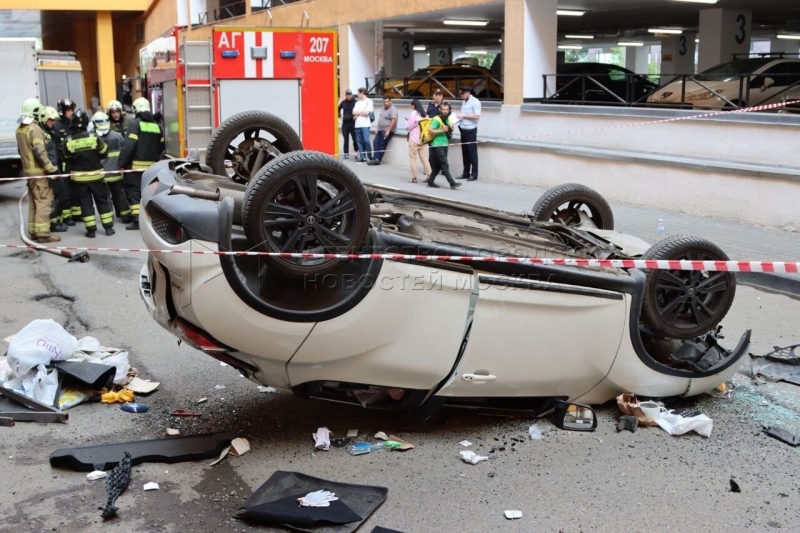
419,48
794,37
451,22
668,31
570,47
630,43
569,13
476,52
579,36
699,1
697,41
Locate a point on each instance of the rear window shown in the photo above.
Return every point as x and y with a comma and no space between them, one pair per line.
733,69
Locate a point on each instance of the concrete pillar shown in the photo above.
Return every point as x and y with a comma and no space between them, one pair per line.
105,58
398,57
440,56
723,32
356,55
788,46
677,54
530,26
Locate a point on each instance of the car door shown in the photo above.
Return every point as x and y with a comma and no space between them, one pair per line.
538,339
783,75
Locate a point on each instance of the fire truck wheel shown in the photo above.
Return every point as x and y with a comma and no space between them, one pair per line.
247,141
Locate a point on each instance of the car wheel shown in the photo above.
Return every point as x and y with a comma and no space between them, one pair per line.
247,141
683,304
306,202
573,204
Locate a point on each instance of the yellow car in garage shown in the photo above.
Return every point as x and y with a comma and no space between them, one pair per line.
447,78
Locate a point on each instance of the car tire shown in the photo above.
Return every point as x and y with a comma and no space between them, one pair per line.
683,304
550,206
302,187
285,140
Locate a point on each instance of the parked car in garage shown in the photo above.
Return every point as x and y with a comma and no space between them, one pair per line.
424,81
416,334
599,83
738,83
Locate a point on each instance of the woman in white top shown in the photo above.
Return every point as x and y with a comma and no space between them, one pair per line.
362,111
415,147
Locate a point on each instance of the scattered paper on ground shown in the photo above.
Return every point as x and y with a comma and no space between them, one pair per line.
381,436
472,457
322,439
172,432
270,390
238,447
465,443
404,445
513,515
352,433
97,474
151,486
140,386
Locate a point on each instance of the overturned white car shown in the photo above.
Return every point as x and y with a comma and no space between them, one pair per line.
416,335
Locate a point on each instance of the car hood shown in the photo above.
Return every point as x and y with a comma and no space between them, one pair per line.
672,91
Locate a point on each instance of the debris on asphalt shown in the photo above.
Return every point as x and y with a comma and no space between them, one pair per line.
184,412
38,384
782,435
318,498
468,456
150,486
352,433
361,448
535,433
162,450
95,475
781,364
396,443
465,443
123,396
723,390
96,376
130,407
142,386
269,390
340,442
71,396
22,408
598,439
219,387
627,422
735,486
678,423
276,503
381,436
513,515
201,400
322,439
6,422
116,483
40,342
172,432
629,405
238,447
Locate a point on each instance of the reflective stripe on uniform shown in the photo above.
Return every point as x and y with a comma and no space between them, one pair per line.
113,154
135,210
87,176
105,218
133,136
141,165
75,211
112,178
149,127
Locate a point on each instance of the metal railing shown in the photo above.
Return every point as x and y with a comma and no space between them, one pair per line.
484,87
238,9
694,90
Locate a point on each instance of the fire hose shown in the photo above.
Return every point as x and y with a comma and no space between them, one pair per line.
81,256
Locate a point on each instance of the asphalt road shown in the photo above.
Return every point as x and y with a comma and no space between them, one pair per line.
601,481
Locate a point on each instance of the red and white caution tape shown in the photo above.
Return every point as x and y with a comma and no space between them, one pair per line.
783,267
68,174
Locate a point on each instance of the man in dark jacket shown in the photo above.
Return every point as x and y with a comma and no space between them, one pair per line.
143,147
84,152
116,115
65,109
113,177
62,210
348,121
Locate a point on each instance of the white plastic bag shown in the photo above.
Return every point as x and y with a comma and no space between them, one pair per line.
675,424
120,362
5,370
37,384
40,342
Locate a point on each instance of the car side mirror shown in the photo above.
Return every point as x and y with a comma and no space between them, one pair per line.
574,417
768,82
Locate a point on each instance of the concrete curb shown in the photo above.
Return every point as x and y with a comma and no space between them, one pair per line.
782,283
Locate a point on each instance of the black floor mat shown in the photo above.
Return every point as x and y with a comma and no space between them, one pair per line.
169,450
362,499
93,375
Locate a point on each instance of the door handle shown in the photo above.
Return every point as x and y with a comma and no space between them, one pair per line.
478,378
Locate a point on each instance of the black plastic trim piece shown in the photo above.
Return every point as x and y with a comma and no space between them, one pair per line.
550,287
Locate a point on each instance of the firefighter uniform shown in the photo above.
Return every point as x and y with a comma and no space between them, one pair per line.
84,152
61,203
113,178
120,125
33,153
143,147
65,108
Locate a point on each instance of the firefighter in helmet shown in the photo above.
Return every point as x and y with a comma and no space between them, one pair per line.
143,147
84,152
62,210
113,177
116,115
33,153
66,108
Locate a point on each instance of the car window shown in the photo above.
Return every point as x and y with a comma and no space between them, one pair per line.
785,73
453,72
617,74
732,69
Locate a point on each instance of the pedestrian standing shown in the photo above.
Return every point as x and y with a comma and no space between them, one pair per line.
348,122
113,177
387,124
468,126
363,111
65,109
440,127
84,152
33,154
415,146
62,210
143,146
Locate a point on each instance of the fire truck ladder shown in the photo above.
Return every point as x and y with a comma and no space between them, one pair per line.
199,92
